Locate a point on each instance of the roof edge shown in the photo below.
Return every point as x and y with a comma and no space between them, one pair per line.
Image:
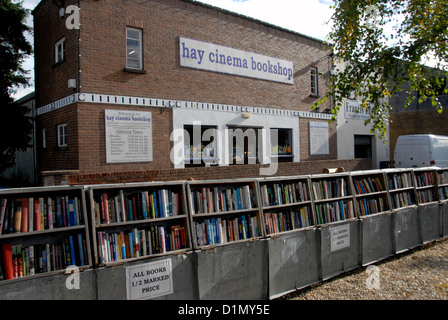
239,15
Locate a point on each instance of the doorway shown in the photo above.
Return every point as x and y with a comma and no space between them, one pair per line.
363,146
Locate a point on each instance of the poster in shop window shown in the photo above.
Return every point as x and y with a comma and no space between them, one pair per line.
128,136
319,138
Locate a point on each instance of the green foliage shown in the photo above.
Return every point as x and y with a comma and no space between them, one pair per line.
383,45
15,127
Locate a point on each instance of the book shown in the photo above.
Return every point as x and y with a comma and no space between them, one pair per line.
334,211
222,198
328,189
17,216
3,205
133,205
424,179
37,215
223,230
8,272
284,193
25,203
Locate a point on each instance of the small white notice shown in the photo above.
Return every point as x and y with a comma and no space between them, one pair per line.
319,138
128,136
149,280
340,237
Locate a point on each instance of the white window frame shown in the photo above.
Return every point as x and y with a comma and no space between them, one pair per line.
314,82
131,50
62,135
59,51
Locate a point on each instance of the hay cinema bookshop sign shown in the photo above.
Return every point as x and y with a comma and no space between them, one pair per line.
211,57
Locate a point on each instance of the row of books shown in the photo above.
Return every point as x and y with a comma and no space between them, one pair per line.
372,206
368,185
35,214
400,180
223,230
442,177
443,192
328,189
222,199
402,199
116,246
284,193
334,211
425,196
20,261
142,205
424,179
288,220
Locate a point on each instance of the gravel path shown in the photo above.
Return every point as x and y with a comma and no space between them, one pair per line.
418,274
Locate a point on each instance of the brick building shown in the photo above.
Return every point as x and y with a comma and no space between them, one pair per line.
176,89
418,118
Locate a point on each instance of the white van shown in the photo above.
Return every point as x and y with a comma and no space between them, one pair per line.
421,150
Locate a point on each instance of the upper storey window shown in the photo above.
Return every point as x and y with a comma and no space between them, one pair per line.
314,87
59,51
134,49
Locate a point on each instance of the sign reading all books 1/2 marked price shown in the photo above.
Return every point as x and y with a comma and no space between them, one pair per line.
340,237
149,280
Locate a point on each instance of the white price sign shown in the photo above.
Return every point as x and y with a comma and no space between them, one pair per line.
340,237
150,280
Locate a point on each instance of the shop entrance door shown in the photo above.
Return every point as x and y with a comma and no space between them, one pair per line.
244,144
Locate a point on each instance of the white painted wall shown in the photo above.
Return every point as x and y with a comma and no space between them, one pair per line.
222,119
348,128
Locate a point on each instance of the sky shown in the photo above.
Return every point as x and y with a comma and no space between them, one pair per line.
308,17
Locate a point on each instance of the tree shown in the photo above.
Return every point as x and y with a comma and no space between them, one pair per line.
387,46
15,127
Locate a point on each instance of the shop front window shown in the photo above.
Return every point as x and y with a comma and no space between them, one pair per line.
200,145
281,144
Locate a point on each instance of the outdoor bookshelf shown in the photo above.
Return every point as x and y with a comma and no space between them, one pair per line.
223,211
370,191
286,204
426,185
401,188
442,183
332,197
138,220
43,230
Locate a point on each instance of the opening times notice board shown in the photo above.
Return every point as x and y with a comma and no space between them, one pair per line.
128,136
319,138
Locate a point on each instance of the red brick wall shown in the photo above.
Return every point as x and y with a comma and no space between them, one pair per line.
92,140
416,122
103,40
52,79
305,141
212,173
53,157
102,53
